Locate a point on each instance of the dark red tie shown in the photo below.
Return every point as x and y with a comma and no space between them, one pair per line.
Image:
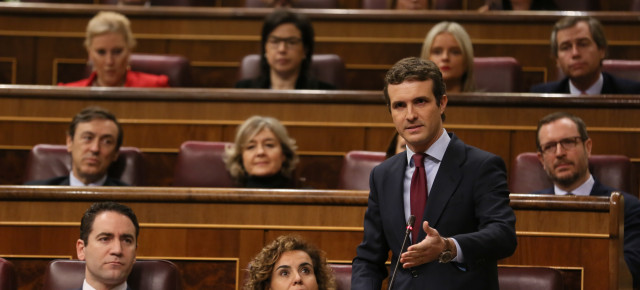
418,193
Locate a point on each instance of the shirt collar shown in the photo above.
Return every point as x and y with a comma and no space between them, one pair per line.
595,89
86,286
435,151
584,189
73,181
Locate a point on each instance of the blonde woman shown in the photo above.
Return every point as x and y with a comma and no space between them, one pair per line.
449,46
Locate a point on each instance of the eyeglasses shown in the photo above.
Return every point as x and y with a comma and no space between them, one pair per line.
274,42
566,144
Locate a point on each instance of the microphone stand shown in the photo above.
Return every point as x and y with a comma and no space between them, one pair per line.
410,222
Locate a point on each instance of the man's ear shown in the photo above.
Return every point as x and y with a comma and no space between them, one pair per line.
540,158
69,143
80,249
587,146
115,156
443,103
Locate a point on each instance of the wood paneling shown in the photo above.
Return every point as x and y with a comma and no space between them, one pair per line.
207,231
216,39
326,125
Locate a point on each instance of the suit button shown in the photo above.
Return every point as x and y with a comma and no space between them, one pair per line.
414,273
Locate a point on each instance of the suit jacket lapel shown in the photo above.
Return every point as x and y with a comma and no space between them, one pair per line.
564,86
608,87
446,181
393,188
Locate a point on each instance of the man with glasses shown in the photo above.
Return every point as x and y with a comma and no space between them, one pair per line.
564,149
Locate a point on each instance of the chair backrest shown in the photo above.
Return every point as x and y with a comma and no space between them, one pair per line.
150,274
497,74
325,4
328,68
527,174
342,273
626,69
8,279
200,164
356,167
47,161
524,278
175,67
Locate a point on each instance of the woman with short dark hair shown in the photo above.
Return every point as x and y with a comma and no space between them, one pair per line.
286,51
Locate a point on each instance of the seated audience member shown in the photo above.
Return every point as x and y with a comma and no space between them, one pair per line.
263,155
518,5
289,262
93,140
108,233
564,149
397,145
449,46
286,51
109,42
578,44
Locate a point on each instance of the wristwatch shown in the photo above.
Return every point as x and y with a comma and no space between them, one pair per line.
446,256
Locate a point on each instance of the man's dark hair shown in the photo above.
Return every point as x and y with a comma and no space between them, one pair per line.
302,22
86,224
597,32
582,128
415,69
88,114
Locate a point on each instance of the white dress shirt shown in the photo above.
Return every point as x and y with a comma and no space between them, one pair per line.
435,153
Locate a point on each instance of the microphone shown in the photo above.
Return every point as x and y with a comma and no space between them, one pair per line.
410,222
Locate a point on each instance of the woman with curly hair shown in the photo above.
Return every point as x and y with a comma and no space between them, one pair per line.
288,262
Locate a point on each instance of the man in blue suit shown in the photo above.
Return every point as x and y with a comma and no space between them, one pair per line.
564,149
108,243
579,46
466,223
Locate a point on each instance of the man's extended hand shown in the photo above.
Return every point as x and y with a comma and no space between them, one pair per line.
425,251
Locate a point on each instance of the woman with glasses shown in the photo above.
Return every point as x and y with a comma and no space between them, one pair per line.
286,50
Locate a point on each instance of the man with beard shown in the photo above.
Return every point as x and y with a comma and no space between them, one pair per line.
564,149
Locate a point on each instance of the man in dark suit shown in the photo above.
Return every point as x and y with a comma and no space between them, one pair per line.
579,46
564,149
464,224
108,243
93,140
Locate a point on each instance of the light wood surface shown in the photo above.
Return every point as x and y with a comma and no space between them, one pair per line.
222,225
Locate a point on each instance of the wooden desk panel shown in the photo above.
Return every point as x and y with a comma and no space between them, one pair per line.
216,39
326,125
231,225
